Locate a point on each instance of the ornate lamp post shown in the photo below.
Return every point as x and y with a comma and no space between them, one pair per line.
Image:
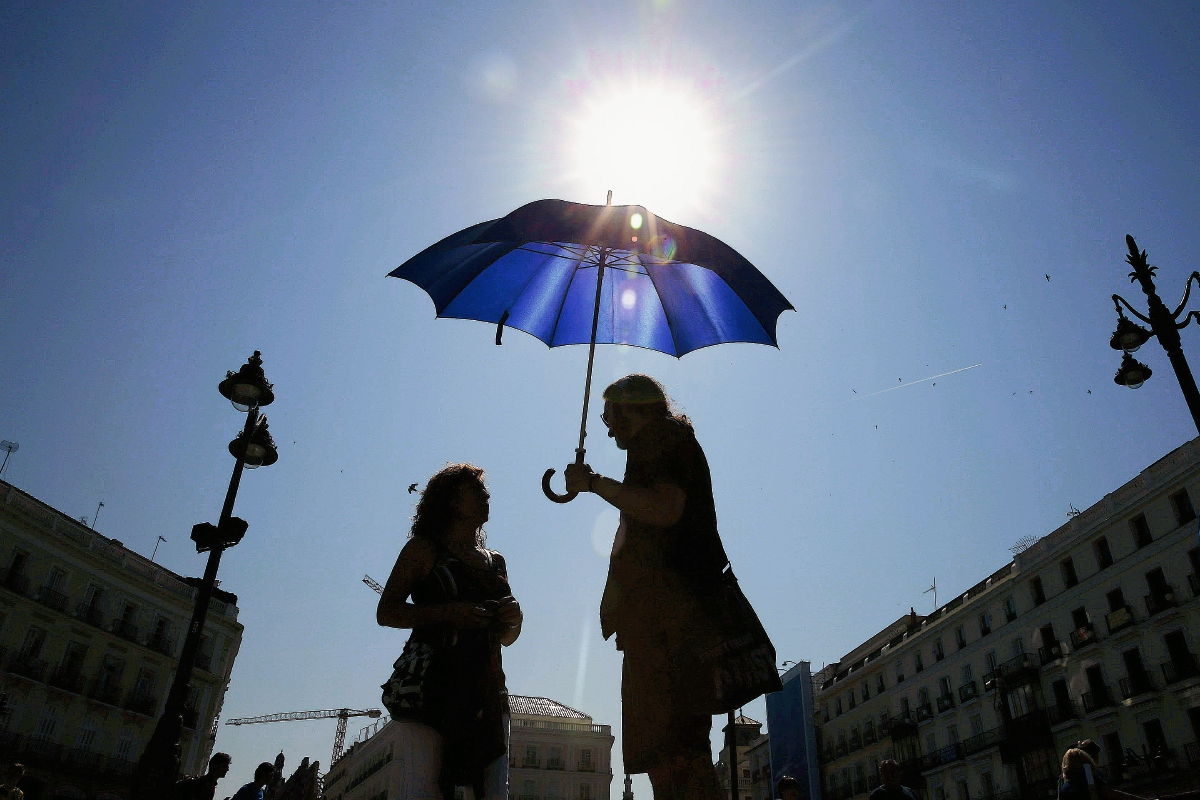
1164,323
248,390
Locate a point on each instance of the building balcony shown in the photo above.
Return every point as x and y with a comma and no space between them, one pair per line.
945,703
855,743
69,680
16,581
586,766
90,614
1133,685
144,703
1061,713
554,763
1096,699
968,691
126,630
901,726
1159,602
1084,636
530,763
107,692
945,755
52,598
868,737
1119,619
1175,671
32,668
924,712
1016,671
1050,653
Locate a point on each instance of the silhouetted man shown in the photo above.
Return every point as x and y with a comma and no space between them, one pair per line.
788,788
890,788
262,776
205,786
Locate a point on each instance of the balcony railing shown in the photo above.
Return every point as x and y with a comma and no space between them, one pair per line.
587,766
25,666
16,581
1133,685
1119,619
869,737
855,743
144,703
52,598
1061,713
901,725
530,763
1050,653
1180,670
126,630
554,763
161,643
982,741
924,712
1096,699
69,680
945,702
968,691
945,755
1084,636
90,614
1158,602
107,692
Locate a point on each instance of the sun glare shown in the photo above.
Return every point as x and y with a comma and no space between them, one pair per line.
653,144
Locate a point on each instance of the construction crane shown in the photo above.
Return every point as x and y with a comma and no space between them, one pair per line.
374,584
342,715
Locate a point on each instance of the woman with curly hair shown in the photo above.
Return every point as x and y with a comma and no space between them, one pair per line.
449,677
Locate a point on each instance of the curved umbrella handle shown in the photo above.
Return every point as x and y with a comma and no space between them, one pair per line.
550,493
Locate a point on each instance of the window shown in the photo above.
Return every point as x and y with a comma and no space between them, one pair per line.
850,701
939,793
1113,750
990,658
837,707
967,675
1155,736
866,691
1070,578
869,728
125,742
880,684
960,637
1116,600
1022,701
47,726
986,784
899,672
960,787
922,697
1010,609
938,652
1104,556
944,686
529,789
985,624
1141,531
931,743
952,734
585,757
1079,618
1018,647
556,759
976,724
920,664
1038,591
531,758
905,711
1181,504
56,579
31,646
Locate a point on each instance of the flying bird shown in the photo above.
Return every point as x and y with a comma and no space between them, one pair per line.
412,487
1089,391
1047,279
1006,305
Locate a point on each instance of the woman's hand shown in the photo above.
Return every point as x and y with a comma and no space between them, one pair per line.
465,615
509,612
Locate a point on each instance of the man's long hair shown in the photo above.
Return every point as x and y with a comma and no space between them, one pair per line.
1072,766
648,394
436,508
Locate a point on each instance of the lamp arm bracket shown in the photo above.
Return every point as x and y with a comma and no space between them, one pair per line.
1187,319
1187,291
1118,301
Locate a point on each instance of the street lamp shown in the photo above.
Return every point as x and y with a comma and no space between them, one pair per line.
248,390
1164,323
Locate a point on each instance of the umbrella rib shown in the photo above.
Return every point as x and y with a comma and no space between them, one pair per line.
532,274
666,316
566,294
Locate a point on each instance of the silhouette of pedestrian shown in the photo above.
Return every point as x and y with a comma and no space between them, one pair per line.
204,787
666,557
254,789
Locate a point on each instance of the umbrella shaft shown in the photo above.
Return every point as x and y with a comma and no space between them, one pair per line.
587,386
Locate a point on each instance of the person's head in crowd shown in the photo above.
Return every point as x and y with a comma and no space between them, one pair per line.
1091,748
889,773
788,788
263,773
218,765
1073,763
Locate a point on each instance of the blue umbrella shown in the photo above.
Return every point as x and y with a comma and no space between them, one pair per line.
569,273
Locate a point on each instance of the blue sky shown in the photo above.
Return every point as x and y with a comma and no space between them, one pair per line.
184,184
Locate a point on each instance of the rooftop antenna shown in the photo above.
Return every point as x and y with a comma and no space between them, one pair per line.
609,201
934,590
9,448
156,544
97,514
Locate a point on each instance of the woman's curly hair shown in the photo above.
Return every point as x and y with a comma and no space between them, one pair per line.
435,510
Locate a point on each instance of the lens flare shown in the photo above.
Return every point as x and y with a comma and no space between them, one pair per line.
635,221
628,299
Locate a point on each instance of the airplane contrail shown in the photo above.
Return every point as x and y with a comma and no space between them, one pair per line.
914,383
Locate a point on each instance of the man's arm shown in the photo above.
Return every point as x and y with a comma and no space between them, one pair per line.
660,504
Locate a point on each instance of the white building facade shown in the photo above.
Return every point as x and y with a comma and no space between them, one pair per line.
1091,632
90,635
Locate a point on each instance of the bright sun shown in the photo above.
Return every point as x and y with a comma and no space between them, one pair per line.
654,144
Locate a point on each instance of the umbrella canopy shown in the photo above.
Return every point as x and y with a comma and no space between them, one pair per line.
664,286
